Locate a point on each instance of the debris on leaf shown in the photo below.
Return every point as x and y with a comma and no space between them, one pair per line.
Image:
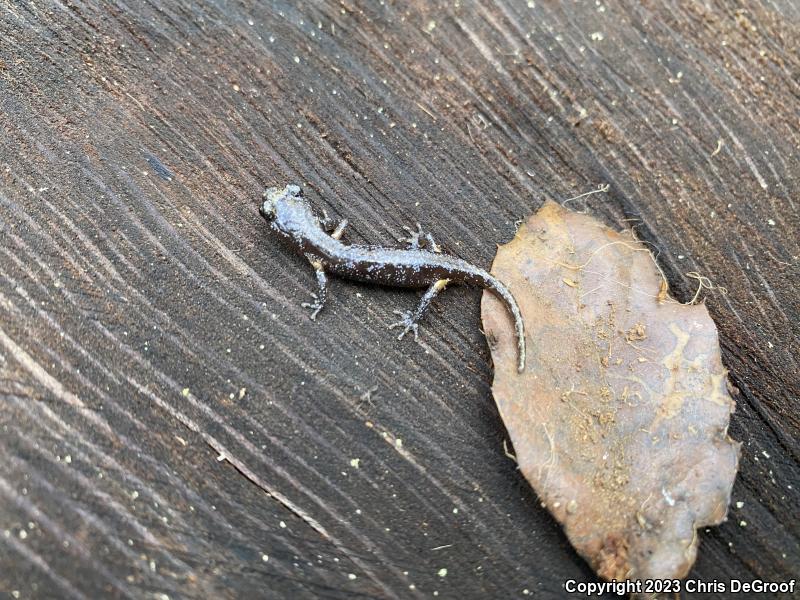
620,419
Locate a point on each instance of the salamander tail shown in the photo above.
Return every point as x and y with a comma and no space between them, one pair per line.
511,304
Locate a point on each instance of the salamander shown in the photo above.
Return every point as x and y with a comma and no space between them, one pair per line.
420,265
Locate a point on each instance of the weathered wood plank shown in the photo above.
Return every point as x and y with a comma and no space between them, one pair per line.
136,138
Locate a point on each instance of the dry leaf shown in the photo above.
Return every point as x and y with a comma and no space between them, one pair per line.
620,419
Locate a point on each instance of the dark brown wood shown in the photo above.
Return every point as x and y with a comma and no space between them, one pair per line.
173,425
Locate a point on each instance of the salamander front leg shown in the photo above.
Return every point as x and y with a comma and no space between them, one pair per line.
339,230
322,292
336,229
419,239
410,319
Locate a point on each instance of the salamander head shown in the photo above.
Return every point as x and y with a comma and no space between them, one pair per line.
273,196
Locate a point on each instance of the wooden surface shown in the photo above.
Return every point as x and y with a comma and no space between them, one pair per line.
173,424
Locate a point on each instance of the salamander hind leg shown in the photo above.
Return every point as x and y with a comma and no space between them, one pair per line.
322,292
410,319
419,239
407,322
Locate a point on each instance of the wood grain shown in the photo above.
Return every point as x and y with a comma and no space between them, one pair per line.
173,425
